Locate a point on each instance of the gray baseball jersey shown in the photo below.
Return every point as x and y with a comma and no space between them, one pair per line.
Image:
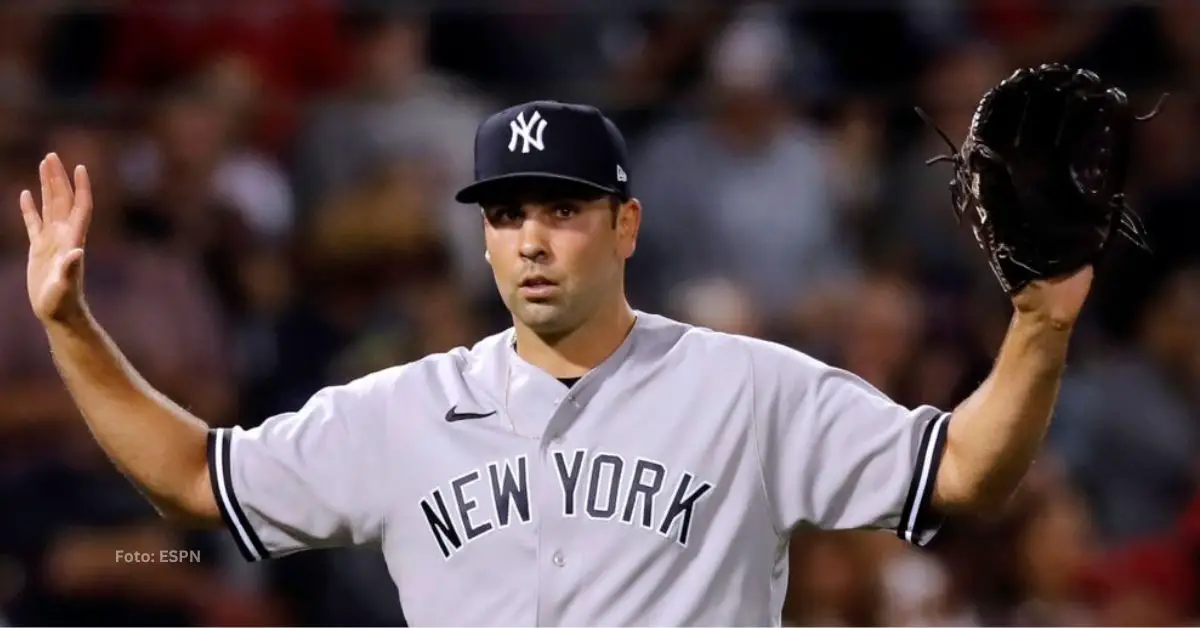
659,490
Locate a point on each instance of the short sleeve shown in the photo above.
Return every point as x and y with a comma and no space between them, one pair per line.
837,453
305,479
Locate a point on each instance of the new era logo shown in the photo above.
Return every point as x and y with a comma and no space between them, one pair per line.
621,174
529,132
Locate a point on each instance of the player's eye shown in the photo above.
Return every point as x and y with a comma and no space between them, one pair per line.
503,215
563,211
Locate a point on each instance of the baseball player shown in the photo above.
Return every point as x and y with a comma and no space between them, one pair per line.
591,465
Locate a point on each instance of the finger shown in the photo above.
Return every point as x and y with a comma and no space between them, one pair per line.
60,188
81,212
47,196
33,220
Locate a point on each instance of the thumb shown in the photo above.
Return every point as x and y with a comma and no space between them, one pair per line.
69,265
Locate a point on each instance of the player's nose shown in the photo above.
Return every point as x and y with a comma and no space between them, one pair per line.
534,240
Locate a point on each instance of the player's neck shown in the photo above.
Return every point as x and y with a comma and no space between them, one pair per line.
574,354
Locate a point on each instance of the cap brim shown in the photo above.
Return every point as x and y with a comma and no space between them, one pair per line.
506,185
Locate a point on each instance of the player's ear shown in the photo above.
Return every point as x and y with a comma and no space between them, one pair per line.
487,255
628,221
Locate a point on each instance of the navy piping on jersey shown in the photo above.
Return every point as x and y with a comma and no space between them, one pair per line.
220,446
917,516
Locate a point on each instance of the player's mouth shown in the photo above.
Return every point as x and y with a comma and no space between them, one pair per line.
537,287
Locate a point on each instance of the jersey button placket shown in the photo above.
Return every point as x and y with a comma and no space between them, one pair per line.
551,534
548,515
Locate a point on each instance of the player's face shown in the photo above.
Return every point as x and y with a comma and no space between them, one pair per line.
557,261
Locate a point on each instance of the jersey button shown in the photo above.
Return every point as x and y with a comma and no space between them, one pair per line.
558,559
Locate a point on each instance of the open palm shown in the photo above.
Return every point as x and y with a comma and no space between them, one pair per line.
57,234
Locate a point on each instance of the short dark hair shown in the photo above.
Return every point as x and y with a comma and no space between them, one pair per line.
614,203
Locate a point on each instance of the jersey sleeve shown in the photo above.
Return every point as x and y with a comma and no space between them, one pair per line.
838,454
304,479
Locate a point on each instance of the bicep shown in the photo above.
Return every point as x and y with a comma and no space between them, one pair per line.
839,454
300,479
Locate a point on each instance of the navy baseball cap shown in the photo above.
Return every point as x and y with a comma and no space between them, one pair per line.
547,143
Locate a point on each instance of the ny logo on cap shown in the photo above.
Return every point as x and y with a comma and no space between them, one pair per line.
529,132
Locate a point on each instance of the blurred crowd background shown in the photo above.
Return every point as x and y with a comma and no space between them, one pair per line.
273,184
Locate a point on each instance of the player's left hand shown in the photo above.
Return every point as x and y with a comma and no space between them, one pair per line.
1040,181
1057,300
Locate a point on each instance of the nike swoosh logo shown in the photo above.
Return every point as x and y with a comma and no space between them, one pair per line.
452,415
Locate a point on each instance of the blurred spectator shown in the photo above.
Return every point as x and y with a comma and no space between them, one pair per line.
896,31
878,333
718,305
423,314
832,582
1128,425
743,190
1149,582
654,60
1032,32
857,136
60,556
1134,44
23,29
917,228
917,588
141,296
79,510
367,245
272,52
565,49
1165,189
193,136
219,205
396,107
23,33
184,181
15,175
1180,20
1027,566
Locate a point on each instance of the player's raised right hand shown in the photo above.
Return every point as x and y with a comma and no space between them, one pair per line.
57,233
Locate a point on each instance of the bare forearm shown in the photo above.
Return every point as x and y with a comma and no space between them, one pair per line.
997,431
160,446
